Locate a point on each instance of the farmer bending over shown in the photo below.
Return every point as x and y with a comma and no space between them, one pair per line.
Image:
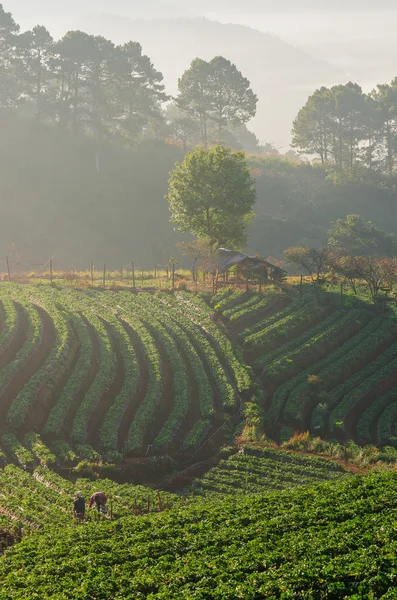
79,507
99,499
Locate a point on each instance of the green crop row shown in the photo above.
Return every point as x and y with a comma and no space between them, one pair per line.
182,396
292,308
221,295
267,360
283,329
350,400
375,410
199,311
15,451
57,416
255,306
229,301
145,413
36,446
300,387
200,376
31,344
249,300
10,320
387,420
109,431
203,346
106,368
335,331
58,357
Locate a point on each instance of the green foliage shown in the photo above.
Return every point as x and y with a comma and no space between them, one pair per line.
211,194
316,541
216,92
360,237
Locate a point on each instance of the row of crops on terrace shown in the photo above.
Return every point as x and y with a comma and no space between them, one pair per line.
323,368
255,470
122,372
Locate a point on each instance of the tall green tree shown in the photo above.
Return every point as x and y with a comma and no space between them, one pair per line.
311,130
35,48
193,97
216,93
212,194
334,125
231,99
385,99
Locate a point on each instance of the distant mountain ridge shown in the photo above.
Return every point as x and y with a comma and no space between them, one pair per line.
281,75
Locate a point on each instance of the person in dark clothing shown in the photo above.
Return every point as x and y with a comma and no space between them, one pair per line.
79,507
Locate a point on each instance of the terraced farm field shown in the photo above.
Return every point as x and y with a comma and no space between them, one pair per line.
322,368
137,374
140,374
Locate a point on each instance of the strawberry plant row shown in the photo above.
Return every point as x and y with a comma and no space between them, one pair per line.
145,413
203,346
200,376
285,328
10,320
199,311
336,329
322,373
115,413
182,395
290,309
58,358
349,401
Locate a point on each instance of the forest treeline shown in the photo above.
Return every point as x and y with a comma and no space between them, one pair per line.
345,127
85,84
88,137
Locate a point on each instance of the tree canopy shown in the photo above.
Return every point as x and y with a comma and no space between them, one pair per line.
216,93
361,238
212,194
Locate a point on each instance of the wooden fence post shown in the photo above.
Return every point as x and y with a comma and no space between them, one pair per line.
92,272
51,271
133,274
104,275
301,287
121,272
155,271
142,278
8,269
173,276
